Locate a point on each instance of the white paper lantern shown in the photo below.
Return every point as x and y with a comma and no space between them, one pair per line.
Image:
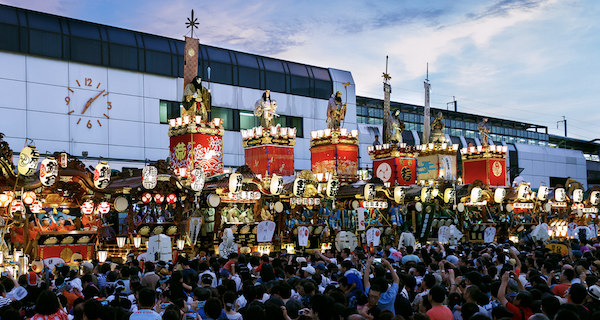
235,182
523,191
36,207
48,171
197,179
543,193
399,194
104,207
426,194
560,194
87,207
102,175
16,205
333,187
276,186
299,187
595,198
577,195
476,194
499,195
146,197
213,200
28,197
28,161
149,177
369,192
5,199
449,194
159,198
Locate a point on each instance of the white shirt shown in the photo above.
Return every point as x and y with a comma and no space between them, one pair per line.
145,314
212,274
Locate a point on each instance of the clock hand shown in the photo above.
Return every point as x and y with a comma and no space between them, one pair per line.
87,105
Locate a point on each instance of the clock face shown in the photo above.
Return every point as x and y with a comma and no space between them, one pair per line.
94,91
384,172
191,52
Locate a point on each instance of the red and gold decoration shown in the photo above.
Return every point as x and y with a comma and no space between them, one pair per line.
336,152
437,161
196,145
394,163
487,164
270,150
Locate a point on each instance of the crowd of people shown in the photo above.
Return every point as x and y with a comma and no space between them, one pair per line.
437,282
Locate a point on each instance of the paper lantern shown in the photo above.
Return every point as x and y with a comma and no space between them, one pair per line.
523,191
146,197
36,207
87,207
137,241
181,244
426,194
560,194
28,161
149,177
104,207
595,198
369,192
171,198
476,194
333,186
449,195
197,179
102,255
235,182
577,195
399,194
499,195
28,197
276,184
299,187
159,198
16,205
64,160
102,175
5,199
121,241
543,193
48,171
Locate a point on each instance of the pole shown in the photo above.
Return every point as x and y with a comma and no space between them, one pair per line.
426,119
387,89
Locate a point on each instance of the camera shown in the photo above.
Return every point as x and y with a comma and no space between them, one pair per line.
302,312
377,260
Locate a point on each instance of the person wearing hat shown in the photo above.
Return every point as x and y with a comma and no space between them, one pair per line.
321,269
61,225
309,271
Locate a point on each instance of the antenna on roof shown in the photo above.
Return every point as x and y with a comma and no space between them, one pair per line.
427,74
193,23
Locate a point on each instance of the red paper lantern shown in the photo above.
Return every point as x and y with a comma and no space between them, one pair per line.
87,207
36,207
28,197
104,207
16,205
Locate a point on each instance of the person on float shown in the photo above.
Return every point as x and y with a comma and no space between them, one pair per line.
46,225
61,225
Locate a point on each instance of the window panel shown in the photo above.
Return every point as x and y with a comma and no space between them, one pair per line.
84,30
273,65
169,110
300,86
298,123
297,69
248,120
43,22
221,73
86,50
9,37
275,81
321,74
323,89
246,60
121,37
8,15
226,115
123,57
249,77
45,43
156,43
218,55
158,62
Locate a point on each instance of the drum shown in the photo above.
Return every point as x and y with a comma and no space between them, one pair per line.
121,203
213,200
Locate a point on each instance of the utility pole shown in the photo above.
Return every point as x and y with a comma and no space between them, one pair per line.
387,89
564,120
453,103
426,120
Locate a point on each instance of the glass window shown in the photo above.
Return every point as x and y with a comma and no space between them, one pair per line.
45,43
221,72
225,114
43,22
246,60
9,36
156,43
321,74
248,120
218,55
249,77
86,50
298,69
169,110
298,123
158,62
121,37
275,81
85,30
323,89
300,86
8,15
123,57
273,65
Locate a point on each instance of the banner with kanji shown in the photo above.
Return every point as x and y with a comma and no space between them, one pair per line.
66,251
327,158
436,166
270,159
402,171
195,150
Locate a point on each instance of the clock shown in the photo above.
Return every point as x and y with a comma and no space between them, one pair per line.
94,91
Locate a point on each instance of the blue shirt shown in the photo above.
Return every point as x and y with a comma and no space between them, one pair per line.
388,298
352,278
203,314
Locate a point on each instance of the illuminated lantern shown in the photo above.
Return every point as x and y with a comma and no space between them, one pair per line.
577,195
560,194
64,160
333,186
28,161
399,194
104,207
146,197
595,198
476,194
102,175
5,200
299,187
197,179
16,205
523,191
149,177
171,198
87,207
36,207
48,171
425,194
499,195
276,184
369,192
449,194
159,198
28,197
235,183
543,193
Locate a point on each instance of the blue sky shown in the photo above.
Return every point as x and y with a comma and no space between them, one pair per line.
526,60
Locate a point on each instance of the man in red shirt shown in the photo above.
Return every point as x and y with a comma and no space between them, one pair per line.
233,259
565,283
521,305
438,311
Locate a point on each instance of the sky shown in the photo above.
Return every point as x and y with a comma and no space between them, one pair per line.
533,61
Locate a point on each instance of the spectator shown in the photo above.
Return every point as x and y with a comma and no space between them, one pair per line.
146,300
47,307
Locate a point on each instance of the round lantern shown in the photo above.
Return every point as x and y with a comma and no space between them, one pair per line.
48,171
171,198
399,194
159,198
197,179
523,191
560,194
102,175
146,197
36,207
28,161
87,207
543,193
4,200
425,194
235,182
28,197
595,198
149,177
299,187
333,186
499,195
276,184
369,192
449,194
476,194
16,205
577,195
104,207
